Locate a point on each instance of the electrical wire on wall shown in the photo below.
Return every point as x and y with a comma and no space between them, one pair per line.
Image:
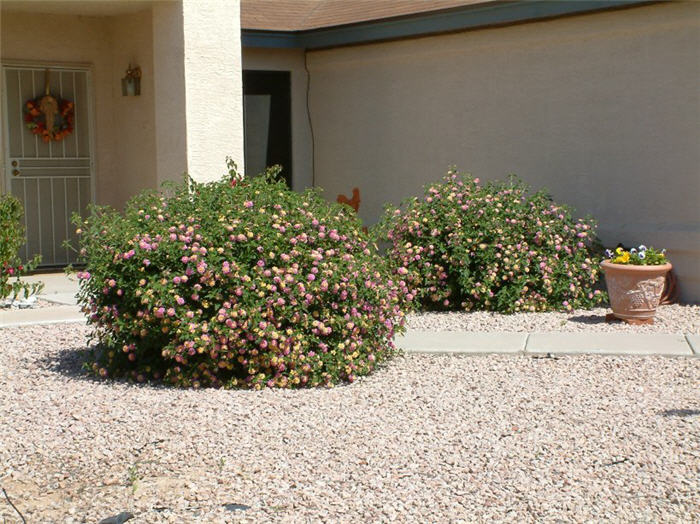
308,117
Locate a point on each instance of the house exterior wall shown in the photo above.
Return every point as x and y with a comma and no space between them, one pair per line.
134,167
188,116
291,60
601,109
169,83
123,126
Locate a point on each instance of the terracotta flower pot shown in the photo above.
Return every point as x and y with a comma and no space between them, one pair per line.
635,291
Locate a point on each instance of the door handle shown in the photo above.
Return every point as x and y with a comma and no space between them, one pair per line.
15,172
14,163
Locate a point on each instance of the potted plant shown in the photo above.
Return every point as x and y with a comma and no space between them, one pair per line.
635,280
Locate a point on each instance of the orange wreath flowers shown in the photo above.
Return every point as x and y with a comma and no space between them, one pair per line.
36,119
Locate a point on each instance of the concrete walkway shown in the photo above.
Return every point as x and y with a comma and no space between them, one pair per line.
572,343
60,289
58,314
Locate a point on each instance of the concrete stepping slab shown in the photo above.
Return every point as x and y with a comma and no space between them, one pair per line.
44,315
60,298
694,343
57,282
608,344
415,341
59,288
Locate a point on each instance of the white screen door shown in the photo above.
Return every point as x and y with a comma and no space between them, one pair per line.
52,180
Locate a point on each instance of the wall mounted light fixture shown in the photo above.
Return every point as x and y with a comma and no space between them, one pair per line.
131,83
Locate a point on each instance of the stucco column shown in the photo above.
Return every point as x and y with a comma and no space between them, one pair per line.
198,85
214,90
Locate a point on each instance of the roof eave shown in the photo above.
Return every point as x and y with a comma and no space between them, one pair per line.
423,24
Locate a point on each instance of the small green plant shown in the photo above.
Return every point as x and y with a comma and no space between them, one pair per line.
11,239
642,256
493,247
236,283
133,477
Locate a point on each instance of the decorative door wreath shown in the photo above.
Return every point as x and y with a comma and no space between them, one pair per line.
48,116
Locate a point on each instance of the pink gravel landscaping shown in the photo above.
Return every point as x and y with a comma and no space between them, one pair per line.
424,439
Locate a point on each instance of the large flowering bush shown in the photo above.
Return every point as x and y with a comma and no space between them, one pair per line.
11,239
492,247
236,283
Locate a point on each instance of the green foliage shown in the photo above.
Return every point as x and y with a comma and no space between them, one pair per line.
491,247
236,283
11,239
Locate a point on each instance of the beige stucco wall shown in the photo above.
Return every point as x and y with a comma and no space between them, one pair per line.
169,83
134,116
291,60
602,109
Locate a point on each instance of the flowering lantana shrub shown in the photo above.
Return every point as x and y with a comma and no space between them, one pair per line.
236,283
492,247
11,239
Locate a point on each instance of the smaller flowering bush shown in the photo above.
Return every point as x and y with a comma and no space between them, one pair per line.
236,283
493,247
11,239
642,256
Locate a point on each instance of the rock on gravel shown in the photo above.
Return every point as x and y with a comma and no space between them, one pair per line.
24,303
424,439
675,318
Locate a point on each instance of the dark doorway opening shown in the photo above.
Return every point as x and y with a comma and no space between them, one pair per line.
267,120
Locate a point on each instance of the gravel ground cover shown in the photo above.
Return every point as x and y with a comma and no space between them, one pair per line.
673,318
424,439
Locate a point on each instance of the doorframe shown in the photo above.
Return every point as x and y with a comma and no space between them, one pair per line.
88,69
288,172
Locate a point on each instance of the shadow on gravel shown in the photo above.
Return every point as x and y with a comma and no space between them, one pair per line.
70,362
680,412
588,319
